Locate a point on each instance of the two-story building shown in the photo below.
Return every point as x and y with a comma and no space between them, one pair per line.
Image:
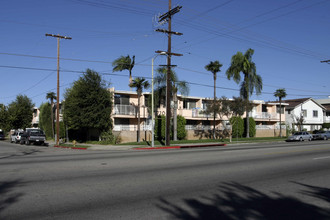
198,124
306,110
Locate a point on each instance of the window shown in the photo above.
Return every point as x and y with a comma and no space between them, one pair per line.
315,113
189,104
121,99
280,110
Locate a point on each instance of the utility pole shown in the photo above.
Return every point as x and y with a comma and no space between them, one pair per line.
58,84
168,15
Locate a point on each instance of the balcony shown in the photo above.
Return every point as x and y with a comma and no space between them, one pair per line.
326,119
125,110
269,127
266,116
197,113
131,128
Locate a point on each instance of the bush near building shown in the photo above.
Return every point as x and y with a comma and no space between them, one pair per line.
252,127
238,126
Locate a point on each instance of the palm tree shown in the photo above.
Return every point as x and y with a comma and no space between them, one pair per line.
181,86
51,96
280,93
214,67
252,81
124,63
139,84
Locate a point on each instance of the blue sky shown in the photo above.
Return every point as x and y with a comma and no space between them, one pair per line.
290,38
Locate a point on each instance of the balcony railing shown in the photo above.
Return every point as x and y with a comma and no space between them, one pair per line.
269,127
131,128
326,119
266,115
197,113
204,127
125,110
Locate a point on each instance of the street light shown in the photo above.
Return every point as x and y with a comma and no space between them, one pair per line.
152,98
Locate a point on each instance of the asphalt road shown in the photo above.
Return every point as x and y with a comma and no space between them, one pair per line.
254,181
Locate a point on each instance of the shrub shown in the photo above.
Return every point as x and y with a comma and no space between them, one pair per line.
238,126
181,128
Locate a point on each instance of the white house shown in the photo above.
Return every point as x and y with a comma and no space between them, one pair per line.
307,110
326,104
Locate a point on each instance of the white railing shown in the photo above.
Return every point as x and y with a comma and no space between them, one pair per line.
326,119
197,113
125,110
269,127
265,115
204,127
131,128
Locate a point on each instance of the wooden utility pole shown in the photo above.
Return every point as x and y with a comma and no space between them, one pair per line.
58,84
168,15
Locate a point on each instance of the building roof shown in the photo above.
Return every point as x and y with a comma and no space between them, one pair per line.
293,103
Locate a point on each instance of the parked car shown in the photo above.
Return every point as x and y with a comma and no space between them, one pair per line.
300,136
2,135
321,135
16,137
33,136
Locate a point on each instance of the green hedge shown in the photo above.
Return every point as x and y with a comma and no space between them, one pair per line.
160,127
252,125
238,126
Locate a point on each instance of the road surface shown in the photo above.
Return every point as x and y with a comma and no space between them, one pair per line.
251,181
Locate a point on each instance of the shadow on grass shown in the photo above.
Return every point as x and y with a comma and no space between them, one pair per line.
236,201
7,194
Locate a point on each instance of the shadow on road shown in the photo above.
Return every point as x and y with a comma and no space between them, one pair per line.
236,201
7,194
21,153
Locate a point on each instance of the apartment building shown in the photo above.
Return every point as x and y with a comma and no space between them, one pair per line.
198,124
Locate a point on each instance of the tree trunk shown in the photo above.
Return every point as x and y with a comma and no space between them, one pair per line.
52,116
247,118
280,117
214,99
138,131
175,117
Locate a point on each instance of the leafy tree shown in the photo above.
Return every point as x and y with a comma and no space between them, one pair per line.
4,118
51,96
20,112
177,86
326,125
88,107
242,63
280,93
226,108
214,67
160,127
139,84
124,63
45,122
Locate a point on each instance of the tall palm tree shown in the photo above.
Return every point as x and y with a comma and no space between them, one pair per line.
177,86
214,67
51,96
124,63
139,84
242,63
280,93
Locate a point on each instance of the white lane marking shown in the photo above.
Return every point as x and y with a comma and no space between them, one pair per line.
321,158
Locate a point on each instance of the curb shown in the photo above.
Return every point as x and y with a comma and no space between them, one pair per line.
74,148
179,147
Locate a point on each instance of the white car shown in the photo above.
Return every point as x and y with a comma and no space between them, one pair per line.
16,137
300,136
